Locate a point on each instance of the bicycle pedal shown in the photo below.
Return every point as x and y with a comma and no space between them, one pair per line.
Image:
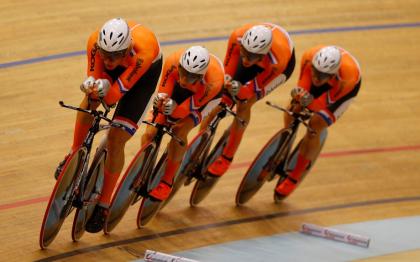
188,181
265,175
77,203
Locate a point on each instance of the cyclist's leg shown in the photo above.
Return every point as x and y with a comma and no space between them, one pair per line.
83,122
151,131
222,163
307,152
81,128
175,154
130,111
311,142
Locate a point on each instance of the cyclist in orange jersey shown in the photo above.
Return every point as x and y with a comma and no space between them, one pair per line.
259,58
124,65
190,86
330,79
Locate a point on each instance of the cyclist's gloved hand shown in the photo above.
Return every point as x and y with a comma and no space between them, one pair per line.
87,85
302,96
235,87
158,99
169,106
232,86
103,86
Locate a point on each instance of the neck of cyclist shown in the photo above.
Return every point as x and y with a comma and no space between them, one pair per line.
246,62
112,63
321,81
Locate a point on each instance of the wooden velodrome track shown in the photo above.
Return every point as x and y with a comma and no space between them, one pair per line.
369,170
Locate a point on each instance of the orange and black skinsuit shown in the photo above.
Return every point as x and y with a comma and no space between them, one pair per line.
333,98
191,100
133,84
258,80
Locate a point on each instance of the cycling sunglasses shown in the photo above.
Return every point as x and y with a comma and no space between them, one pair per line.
191,77
250,56
321,75
112,55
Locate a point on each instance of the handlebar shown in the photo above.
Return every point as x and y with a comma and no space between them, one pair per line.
166,130
299,116
95,113
230,111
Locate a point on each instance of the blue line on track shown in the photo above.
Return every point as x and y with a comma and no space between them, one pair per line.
222,38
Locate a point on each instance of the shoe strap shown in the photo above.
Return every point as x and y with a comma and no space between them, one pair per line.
166,183
227,158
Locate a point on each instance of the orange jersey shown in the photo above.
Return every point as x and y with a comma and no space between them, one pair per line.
144,52
338,90
192,98
273,64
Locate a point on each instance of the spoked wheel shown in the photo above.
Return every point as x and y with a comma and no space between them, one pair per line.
126,193
91,195
291,163
257,174
203,186
191,163
61,199
149,208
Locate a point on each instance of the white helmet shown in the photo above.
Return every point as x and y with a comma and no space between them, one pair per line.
114,35
257,39
327,60
195,60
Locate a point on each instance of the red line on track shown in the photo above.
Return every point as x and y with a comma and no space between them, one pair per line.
246,164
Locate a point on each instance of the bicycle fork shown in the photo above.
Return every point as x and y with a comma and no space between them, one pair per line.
268,171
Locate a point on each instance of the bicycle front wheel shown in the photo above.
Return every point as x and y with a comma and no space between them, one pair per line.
191,162
91,195
61,199
149,208
203,186
257,175
291,163
126,192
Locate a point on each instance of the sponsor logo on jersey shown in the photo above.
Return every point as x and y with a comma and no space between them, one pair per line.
139,62
229,54
92,57
167,74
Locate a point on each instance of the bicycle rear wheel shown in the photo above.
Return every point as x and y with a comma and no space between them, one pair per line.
256,176
91,194
61,199
126,192
291,163
190,163
203,187
149,208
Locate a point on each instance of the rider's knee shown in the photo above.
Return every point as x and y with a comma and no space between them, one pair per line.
317,125
117,138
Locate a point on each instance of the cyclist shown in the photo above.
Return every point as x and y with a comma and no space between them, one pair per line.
330,78
124,65
190,87
259,58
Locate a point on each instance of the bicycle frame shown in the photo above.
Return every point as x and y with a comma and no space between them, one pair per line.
204,146
78,186
140,185
276,159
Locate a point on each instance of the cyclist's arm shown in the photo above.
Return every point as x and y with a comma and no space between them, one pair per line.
232,56
95,65
128,78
